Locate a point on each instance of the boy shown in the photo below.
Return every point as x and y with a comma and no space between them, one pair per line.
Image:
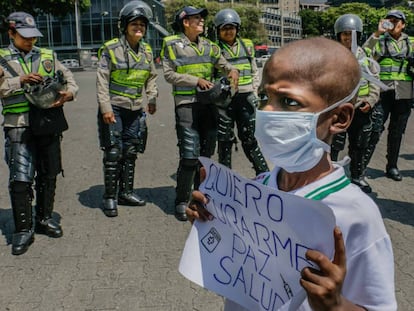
310,99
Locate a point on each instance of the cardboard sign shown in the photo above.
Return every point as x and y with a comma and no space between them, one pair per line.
254,249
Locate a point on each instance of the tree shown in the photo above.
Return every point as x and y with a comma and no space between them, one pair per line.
35,7
322,23
311,23
249,15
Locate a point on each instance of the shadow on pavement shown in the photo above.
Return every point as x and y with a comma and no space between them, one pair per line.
6,224
408,157
91,197
163,197
373,173
402,212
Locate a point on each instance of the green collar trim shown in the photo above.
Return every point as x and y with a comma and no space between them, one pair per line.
322,192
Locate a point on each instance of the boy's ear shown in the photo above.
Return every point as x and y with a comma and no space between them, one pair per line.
342,118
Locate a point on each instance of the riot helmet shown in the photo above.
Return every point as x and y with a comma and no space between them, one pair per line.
44,94
348,22
227,17
219,94
131,11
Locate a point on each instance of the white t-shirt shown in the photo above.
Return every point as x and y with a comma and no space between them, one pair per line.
369,281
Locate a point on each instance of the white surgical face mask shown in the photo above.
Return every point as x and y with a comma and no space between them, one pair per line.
288,139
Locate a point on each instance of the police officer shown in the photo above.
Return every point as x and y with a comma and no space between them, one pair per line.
348,31
188,62
391,47
125,73
28,154
240,53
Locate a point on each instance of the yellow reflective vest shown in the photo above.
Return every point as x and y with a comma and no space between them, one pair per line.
128,78
44,65
200,65
241,59
393,61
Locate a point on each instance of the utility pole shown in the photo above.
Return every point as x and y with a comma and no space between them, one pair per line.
77,25
103,14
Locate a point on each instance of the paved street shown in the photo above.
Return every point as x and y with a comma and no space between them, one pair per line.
129,263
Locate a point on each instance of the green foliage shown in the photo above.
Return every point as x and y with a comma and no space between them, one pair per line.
35,7
322,23
311,22
249,14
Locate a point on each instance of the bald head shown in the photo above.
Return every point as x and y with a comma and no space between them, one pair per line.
322,64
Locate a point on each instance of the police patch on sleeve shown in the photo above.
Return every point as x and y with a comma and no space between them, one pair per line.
47,65
216,50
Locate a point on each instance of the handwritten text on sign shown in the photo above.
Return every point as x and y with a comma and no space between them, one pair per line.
254,249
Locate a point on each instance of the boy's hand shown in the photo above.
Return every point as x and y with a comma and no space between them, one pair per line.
196,209
324,286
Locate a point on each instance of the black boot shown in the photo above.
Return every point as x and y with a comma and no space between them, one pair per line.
338,144
393,173
109,207
357,170
369,150
393,150
362,183
224,152
111,172
21,197
334,154
45,198
185,179
255,156
126,194
21,242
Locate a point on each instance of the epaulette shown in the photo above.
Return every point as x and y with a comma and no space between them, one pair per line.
147,51
111,44
215,48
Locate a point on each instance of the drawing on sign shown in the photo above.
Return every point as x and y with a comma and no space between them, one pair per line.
211,240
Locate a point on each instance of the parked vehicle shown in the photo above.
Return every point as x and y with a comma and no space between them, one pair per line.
262,60
70,63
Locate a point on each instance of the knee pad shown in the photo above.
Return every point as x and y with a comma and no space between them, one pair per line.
19,156
130,152
112,154
108,134
246,129
188,142
225,128
377,118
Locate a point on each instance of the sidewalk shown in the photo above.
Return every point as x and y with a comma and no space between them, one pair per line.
130,262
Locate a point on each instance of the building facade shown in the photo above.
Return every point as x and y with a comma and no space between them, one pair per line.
79,35
282,22
97,25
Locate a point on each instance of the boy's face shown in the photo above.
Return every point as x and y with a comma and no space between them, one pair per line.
286,94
